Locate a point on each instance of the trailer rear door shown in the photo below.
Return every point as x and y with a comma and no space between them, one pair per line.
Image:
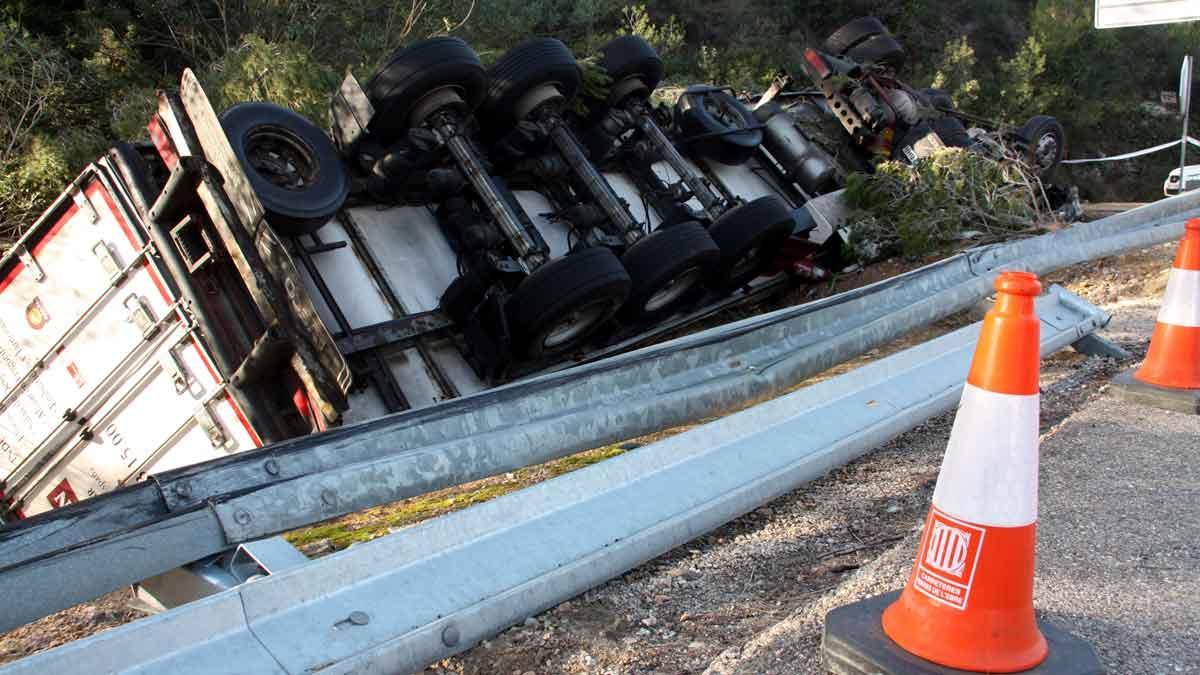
102,377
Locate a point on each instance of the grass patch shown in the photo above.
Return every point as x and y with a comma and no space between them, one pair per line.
380,520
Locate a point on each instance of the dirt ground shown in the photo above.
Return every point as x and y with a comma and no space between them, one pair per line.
693,609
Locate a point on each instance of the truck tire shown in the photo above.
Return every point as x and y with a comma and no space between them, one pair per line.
749,237
565,301
853,33
952,132
294,168
419,69
882,50
623,58
938,98
715,125
518,72
668,269
1044,143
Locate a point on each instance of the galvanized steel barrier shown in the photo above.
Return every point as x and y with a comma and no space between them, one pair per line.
398,603
187,514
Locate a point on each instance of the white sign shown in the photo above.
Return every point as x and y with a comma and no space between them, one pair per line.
1122,13
1185,84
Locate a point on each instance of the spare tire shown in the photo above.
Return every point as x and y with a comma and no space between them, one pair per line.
292,165
529,65
749,237
883,50
412,72
1045,142
853,33
714,124
565,301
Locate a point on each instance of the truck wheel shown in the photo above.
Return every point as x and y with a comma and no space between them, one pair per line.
952,132
749,237
515,79
634,67
715,125
668,268
880,49
1045,143
462,296
564,301
412,73
292,165
853,33
938,98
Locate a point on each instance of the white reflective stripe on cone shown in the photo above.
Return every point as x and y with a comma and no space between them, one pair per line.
990,472
1181,303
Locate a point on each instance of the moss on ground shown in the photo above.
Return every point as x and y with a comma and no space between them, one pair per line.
378,521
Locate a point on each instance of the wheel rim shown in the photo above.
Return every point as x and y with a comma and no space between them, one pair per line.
747,264
724,111
1046,151
673,290
281,158
576,323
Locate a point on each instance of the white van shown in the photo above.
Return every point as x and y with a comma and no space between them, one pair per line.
1171,185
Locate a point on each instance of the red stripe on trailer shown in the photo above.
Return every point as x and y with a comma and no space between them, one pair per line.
162,142
157,278
38,247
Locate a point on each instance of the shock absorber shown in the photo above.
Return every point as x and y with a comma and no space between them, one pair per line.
601,192
532,250
711,202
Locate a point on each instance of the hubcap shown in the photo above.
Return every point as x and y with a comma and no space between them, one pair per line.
577,323
673,290
1047,150
747,263
282,158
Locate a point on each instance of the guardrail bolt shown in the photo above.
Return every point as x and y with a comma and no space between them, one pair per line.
242,517
272,467
183,490
450,635
328,497
359,618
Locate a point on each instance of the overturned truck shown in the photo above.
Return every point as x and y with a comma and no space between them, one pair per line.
245,278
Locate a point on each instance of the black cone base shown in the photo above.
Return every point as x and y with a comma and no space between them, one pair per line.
854,644
1179,400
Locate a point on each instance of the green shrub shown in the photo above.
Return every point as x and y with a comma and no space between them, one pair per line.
280,72
955,196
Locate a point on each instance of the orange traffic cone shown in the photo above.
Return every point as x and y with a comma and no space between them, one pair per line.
1174,357
968,604
969,599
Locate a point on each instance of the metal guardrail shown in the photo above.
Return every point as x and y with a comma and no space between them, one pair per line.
403,601
188,514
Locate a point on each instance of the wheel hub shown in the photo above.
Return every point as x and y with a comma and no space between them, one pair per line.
576,323
747,263
1046,151
673,290
281,158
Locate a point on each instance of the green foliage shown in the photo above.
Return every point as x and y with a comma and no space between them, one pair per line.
956,73
279,72
667,37
76,76
951,197
32,179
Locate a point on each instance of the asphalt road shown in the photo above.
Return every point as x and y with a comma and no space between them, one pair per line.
1118,547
